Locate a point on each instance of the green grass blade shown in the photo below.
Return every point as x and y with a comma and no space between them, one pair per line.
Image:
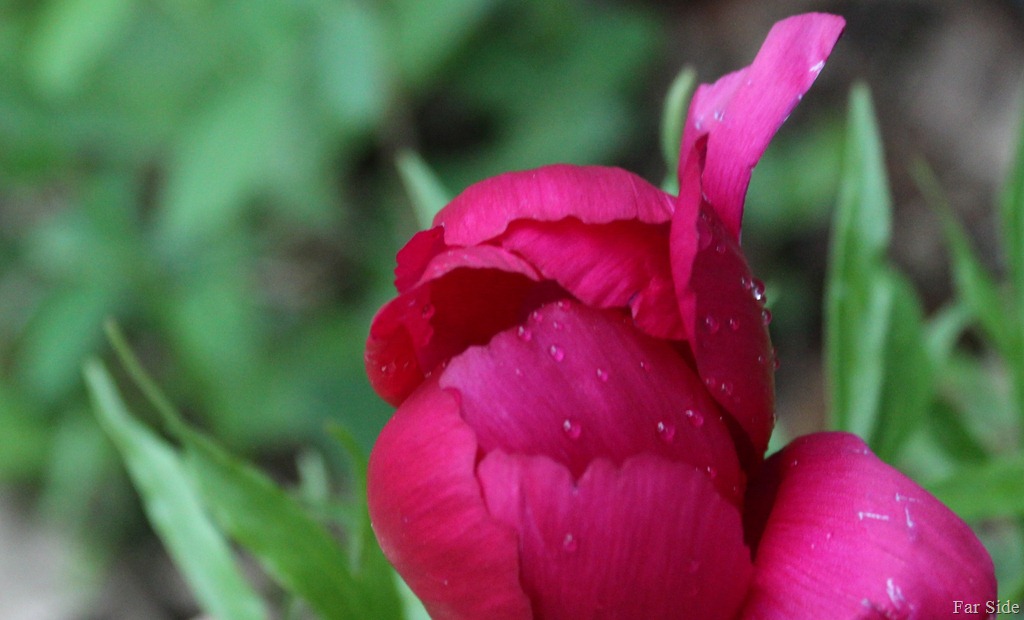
426,192
859,297
673,119
296,550
983,491
908,384
173,507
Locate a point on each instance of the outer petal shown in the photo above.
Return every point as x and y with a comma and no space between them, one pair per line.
847,536
577,384
741,112
429,516
650,540
463,297
593,194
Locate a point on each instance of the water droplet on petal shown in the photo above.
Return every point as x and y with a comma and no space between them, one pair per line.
734,325
720,247
537,316
524,333
776,362
572,428
711,471
711,324
602,375
557,352
817,67
428,311
719,114
643,365
726,388
766,316
696,418
757,289
710,382
570,544
562,305
666,431
556,325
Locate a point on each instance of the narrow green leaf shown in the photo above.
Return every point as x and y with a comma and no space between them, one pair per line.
70,38
425,190
975,286
908,381
1011,211
953,436
296,550
173,507
943,330
859,295
673,117
293,548
983,491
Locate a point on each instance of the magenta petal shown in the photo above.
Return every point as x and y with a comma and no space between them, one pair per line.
463,297
593,194
616,265
650,540
577,384
847,536
429,516
725,320
741,112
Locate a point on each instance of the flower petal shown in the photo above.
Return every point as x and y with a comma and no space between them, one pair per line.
430,518
593,194
463,297
847,536
616,265
578,384
741,112
722,310
649,540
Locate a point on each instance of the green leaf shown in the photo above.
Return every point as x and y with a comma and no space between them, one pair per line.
946,426
859,295
426,192
908,380
293,548
975,286
984,491
673,118
70,38
173,507
1011,211
296,550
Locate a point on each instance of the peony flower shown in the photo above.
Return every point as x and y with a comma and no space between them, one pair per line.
584,384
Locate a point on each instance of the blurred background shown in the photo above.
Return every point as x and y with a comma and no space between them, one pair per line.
219,176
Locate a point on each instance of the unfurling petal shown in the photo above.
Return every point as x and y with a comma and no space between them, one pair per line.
739,114
430,519
843,535
652,539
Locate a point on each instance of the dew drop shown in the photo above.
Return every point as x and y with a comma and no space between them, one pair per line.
710,382
711,471
556,325
562,305
776,363
572,428
757,289
762,359
726,388
711,324
766,316
720,247
524,333
734,325
557,352
537,316
666,431
719,114
695,417
643,365
817,67
427,311
602,375
570,544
